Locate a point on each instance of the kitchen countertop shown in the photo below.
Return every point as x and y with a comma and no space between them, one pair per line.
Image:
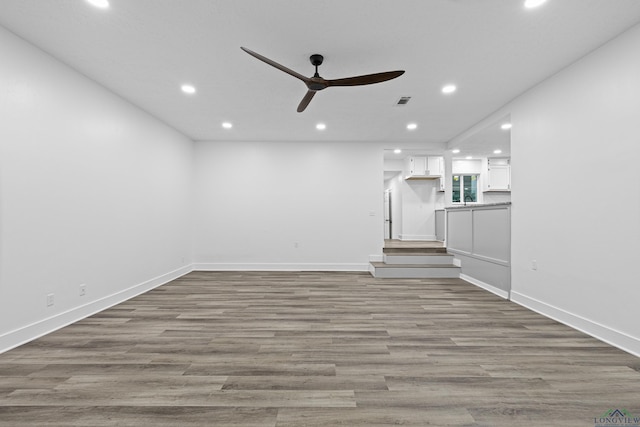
477,205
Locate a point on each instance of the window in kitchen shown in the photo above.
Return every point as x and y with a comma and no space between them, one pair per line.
465,188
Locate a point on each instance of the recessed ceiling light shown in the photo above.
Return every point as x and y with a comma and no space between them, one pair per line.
455,151
227,125
497,151
397,151
188,89
506,126
412,126
321,126
102,4
468,157
449,88
530,4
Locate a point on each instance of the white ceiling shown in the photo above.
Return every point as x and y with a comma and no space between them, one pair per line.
144,50
485,141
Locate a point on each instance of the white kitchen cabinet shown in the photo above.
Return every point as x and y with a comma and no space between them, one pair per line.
424,167
415,166
498,175
435,166
440,169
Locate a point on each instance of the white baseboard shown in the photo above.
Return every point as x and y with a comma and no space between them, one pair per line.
279,267
43,327
410,237
500,292
604,333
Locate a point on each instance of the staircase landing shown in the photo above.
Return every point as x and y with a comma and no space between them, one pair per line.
412,244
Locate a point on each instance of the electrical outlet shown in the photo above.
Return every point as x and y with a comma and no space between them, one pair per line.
83,290
296,245
534,265
49,300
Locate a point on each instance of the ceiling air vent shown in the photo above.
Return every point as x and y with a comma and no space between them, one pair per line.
403,100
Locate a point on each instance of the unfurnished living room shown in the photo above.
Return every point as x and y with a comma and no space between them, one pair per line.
288,213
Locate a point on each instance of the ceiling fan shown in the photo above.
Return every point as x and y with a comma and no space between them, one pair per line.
317,83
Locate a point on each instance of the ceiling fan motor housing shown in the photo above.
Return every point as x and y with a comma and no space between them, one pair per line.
316,59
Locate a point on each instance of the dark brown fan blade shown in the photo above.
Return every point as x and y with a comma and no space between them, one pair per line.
276,65
366,79
306,100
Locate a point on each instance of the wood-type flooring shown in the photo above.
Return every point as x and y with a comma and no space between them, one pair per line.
315,349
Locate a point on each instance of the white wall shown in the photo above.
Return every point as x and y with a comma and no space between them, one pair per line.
257,201
463,166
575,145
418,209
92,191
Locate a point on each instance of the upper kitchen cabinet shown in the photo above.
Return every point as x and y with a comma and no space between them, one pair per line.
424,167
498,175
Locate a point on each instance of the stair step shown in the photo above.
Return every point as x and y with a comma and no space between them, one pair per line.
414,271
414,251
423,259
